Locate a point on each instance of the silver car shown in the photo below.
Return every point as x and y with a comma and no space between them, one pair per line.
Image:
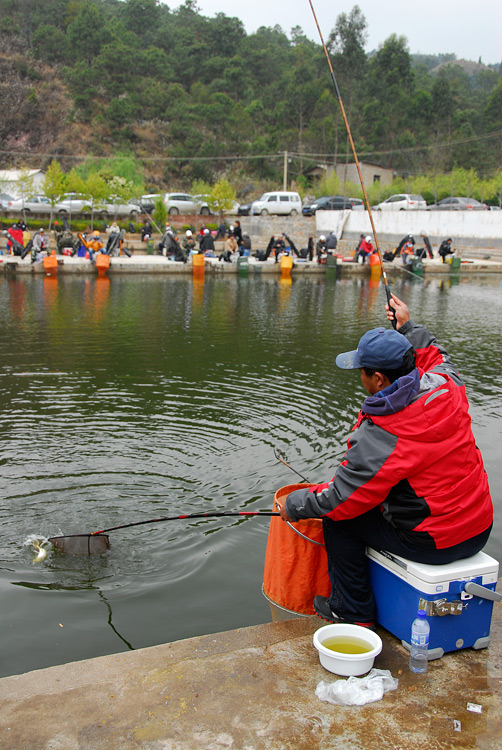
76,203
183,203
401,202
38,204
459,204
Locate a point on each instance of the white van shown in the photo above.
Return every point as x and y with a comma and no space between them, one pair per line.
278,203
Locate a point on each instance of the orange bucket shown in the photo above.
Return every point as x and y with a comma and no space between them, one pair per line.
102,263
374,259
295,569
286,265
50,264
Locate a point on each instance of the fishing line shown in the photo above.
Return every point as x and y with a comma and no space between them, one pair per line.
356,160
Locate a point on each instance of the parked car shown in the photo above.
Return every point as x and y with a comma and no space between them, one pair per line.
5,199
401,202
182,203
331,203
244,209
357,204
281,203
76,203
310,208
459,204
72,203
36,204
114,207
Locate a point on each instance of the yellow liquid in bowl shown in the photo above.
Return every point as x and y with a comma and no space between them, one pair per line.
346,644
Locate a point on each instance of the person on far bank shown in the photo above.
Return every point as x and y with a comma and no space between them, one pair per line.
445,249
146,231
230,248
332,241
365,249
188,243
206,244
320,248
41,245
237,232
412,481
278,247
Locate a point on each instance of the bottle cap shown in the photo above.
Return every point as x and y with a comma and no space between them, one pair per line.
422,613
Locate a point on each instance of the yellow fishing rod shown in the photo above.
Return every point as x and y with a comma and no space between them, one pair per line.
351,140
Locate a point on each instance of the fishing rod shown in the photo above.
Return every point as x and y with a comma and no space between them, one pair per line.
97,541
356,160
278,457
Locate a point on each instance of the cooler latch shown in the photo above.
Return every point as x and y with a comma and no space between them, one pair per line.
441,607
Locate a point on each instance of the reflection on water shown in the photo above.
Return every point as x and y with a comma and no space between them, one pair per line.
125,399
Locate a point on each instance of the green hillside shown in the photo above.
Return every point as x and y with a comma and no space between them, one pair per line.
193,97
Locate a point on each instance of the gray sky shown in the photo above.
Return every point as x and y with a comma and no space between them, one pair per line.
465,27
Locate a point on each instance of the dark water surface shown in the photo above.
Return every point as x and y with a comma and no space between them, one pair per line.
130,398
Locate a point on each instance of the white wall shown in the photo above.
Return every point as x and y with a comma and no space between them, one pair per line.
478,227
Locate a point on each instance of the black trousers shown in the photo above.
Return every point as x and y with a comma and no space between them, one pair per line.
346,542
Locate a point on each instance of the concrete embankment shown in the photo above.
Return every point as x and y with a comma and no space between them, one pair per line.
252,688
156,264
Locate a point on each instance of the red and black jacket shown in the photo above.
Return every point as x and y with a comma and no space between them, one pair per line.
412,452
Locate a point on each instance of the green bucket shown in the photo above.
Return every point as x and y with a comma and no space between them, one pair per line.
455,264
149,247
417,267
243,264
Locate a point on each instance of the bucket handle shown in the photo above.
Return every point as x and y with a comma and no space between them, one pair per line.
303,536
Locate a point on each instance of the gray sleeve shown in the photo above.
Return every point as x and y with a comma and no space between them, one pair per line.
370,448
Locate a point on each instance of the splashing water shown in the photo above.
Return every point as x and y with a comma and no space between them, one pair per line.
40,544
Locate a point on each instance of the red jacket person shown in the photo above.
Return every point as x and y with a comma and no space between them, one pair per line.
412,480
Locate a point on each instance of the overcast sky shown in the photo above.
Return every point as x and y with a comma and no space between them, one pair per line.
469,29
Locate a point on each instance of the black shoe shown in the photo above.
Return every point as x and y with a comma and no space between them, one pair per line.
322,608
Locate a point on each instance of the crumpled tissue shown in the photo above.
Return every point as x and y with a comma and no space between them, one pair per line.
357,691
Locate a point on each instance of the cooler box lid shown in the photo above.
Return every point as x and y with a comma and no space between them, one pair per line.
480,564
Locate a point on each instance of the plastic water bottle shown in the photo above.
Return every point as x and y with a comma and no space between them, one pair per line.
420,630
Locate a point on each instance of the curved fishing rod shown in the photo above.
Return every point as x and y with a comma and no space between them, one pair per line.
210,514
363,188
97,542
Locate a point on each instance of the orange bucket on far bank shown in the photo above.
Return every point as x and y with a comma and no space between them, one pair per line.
50,263
374,259
102,263
295,569
286,265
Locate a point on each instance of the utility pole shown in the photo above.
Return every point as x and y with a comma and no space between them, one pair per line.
285,176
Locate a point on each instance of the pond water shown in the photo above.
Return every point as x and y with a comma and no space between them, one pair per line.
136,397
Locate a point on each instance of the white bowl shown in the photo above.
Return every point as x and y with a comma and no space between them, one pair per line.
347,664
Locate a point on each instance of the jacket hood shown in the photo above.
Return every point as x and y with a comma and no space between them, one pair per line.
395,397
431,412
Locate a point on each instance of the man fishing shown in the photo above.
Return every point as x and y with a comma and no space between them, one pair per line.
412,481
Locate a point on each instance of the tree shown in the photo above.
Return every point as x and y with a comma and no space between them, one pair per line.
86,33
221,197
390,89
54,185
160,214
95,188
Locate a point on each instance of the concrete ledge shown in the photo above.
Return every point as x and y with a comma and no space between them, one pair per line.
156,264
251,688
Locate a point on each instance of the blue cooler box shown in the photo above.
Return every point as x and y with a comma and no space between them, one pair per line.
458,598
